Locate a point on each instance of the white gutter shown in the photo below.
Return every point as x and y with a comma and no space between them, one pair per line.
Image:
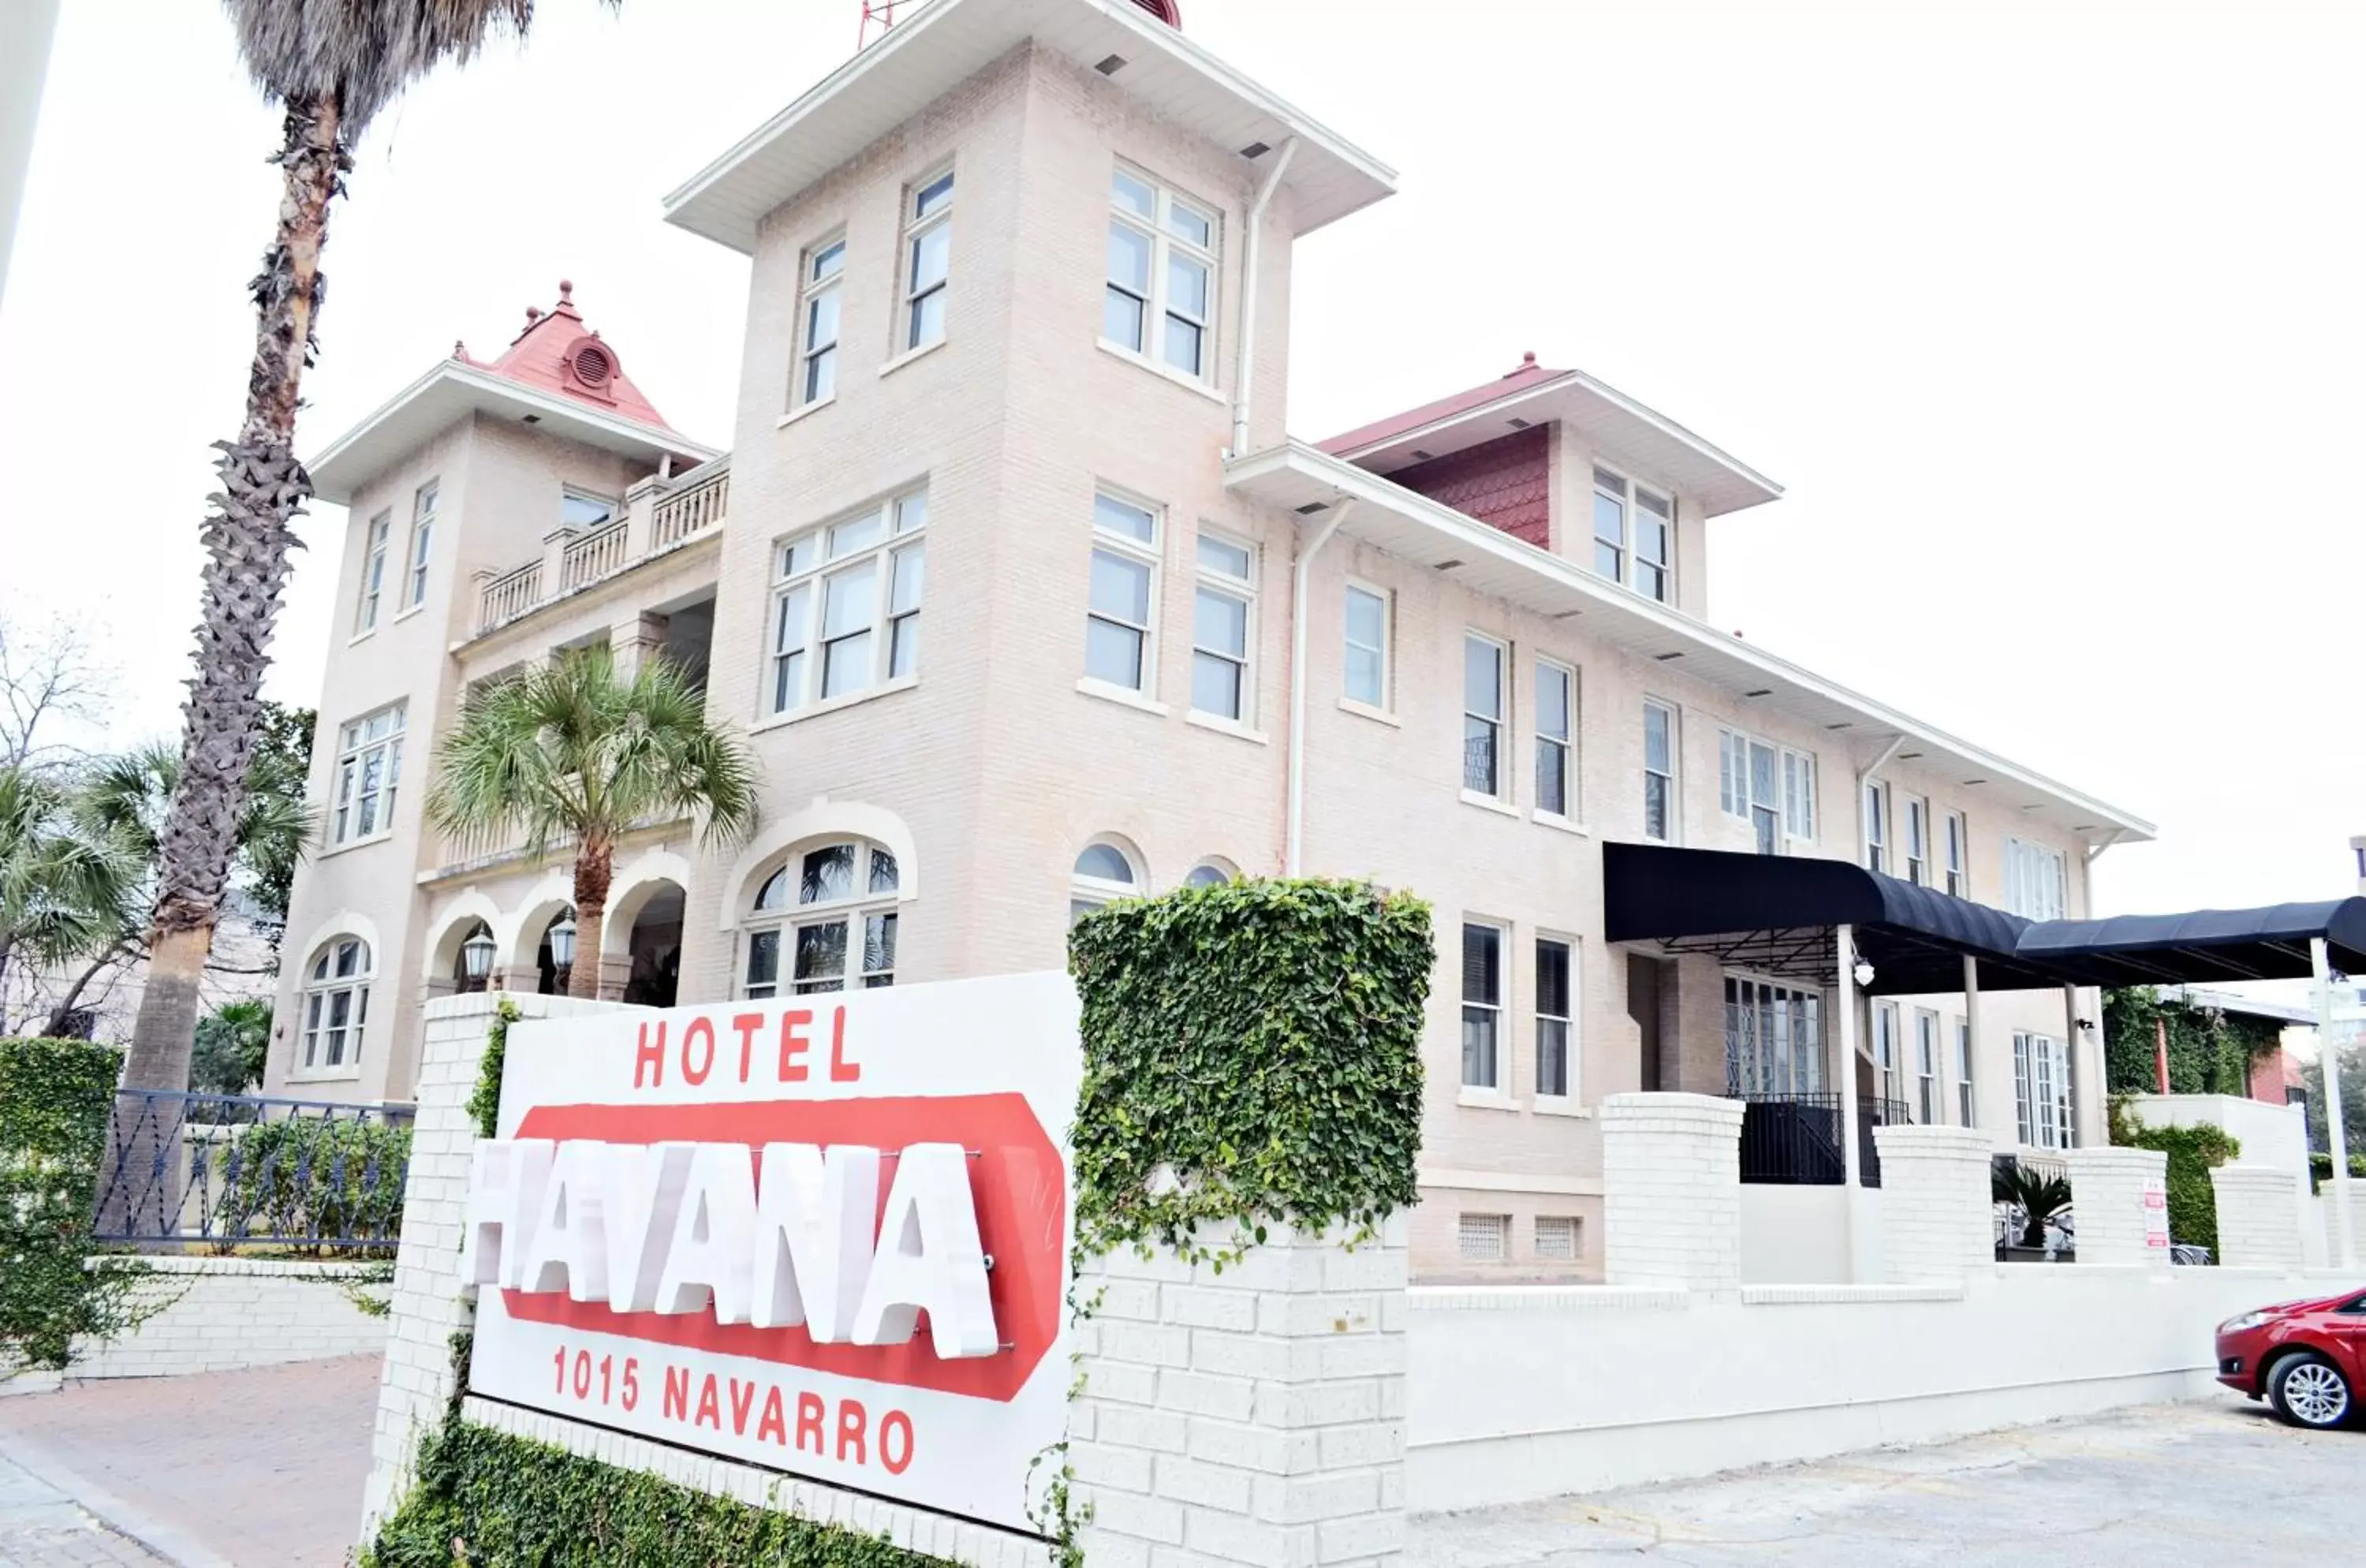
1244,370
1294,846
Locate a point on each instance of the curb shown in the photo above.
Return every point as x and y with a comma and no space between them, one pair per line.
167,1542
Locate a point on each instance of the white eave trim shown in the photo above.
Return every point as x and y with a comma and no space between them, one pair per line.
1470,537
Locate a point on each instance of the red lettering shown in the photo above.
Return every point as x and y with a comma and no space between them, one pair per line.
743,1400
710,1408
677,1393
793,1044
809,1421
649,1057
895,1421
850,1418
772,1423
698,1029
840,1069
746,1023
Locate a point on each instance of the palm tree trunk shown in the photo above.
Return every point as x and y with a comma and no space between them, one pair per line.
594,866
247,540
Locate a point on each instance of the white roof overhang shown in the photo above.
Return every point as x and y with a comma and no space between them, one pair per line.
1298,478
948,41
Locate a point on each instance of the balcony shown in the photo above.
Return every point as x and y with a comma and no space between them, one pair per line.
658,517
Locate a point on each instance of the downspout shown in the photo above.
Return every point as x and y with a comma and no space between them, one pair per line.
1294,844
1245,368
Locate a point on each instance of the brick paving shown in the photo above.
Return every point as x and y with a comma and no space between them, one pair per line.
262,1469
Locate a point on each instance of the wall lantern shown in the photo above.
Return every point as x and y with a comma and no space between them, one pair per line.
1864,973
477,956
562,942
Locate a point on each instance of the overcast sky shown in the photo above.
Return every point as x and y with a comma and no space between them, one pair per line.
2048,316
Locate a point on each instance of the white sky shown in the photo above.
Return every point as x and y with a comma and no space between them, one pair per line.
2043,313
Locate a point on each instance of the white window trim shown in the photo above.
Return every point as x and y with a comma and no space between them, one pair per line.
1505,701
346,771
914,228
307,1032
813,582
1967,1094
811,290
1874,825
1214,580
418,557
1501,1009
1571,1085
377,534
1929,1070
1956,840
1152,555
1809,772
1573,799
1889,1076
1917,867
1386,706
1792,992
1629,572
2029,867
1736,783
855,911
1096,891
1164,244
2042,1121
1674,775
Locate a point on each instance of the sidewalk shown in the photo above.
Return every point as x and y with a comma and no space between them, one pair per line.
40,1527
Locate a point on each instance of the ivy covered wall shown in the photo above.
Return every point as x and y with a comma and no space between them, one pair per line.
2209,1051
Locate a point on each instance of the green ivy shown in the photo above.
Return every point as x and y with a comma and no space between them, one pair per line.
485,1104
1252,1054
2192,1152
2209,1051
2320,1169
309,1175
56,1097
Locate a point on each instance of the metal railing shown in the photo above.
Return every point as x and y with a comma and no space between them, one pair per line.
231,1170
691,511
509,595
593,556
1794,1139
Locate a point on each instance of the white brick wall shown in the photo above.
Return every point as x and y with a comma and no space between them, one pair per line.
2258,1216
1251,1417
2107,1198
1672,1185
1937,1218
228,1313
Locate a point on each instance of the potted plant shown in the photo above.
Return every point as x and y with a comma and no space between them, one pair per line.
2037,1200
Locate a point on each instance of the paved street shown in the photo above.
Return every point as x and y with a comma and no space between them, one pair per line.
40,1527
2219,1483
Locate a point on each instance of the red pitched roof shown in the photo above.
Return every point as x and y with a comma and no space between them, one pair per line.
556,353
1529,374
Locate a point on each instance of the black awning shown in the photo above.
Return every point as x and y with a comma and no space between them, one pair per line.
1757,908
2270,943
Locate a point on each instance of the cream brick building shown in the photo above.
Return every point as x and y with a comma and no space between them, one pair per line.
1019,309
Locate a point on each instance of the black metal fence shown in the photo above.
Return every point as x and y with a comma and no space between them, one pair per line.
229,1170
1794,1139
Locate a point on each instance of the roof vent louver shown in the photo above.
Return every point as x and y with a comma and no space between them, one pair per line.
1111,65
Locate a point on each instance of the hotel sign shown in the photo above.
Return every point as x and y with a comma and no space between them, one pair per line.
828,1235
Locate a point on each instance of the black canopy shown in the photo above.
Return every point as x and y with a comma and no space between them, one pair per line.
2270,943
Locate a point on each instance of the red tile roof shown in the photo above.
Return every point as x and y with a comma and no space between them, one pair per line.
1529,374
556,353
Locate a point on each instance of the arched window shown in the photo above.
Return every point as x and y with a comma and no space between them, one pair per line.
832,911
336,1003
1104,873
1210,873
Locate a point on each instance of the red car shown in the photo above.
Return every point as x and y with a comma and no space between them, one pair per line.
2307,1359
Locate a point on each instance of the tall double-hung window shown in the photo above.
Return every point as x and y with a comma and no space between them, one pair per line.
1634,535
1929,1107
1918,840
2037,881
1956,841
846,603
2040,1092
1483,1004
1223,614
1770,788
1123,594
1160,299
369,770
1658,772
928,260
373,583
819,300
1876,826
1365,667
423,543
1556,733
1483,759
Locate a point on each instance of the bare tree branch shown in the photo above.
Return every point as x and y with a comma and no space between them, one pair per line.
45,676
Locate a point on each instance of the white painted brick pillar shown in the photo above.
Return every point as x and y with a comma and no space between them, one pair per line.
2258,1216
1938,1218
1253,1416
1672,1192
2109,1192
425,1309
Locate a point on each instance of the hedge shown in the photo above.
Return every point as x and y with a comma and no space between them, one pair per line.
56,1097
2320,1167
310,1176
2192,1152
1252,1054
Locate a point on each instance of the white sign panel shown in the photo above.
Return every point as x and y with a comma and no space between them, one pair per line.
826,1234
2156,1203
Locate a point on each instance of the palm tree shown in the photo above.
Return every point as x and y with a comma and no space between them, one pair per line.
62,891
331,65
574,750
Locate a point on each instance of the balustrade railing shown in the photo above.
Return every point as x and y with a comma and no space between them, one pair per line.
1794,1139
509,596
691,511
593,556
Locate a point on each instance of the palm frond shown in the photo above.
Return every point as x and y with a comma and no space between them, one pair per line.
361,54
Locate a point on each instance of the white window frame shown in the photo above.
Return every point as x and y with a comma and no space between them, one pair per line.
1930,1101
1799,805
1556,1032
1738,795
2037,880
1087,892
373,579
1214,580
1213,871
1918,840
868,905
317,1036
919,226
1556,753
1150,553
1764,1019
1967,1100
1672,824
1494,728
422,544
1158,308
821,280
1490,1014
613,508
1383,700
798,652
1888,1053
2040,1092
1626,564
1873,805
1956,841
355,791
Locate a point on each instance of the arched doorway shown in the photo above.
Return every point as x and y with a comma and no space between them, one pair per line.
550,975
471,947
653,949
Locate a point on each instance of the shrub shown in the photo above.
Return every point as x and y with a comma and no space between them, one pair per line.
312,1176
231,1042
56,1097
2320,1169
1259,1043
2192,1152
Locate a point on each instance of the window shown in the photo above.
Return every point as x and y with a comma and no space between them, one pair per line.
370,766
1641,557
1876,828
336,1004
583,510
1556,723
1220,623
1799,795
1124,585
928,260
1557,1238
820,292
1366,665
1555,991
1959,860
1964,1075
373,573
1774,1039
1887,1048
846,603
1750,785
1658,773
1103,872
1927,1103
1161,271
1483,716
2034,881
1482,1003
2040,1092
832,910
1918,840
1209,874
1482,1238
423,538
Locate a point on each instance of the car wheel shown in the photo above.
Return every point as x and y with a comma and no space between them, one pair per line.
2309,1391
